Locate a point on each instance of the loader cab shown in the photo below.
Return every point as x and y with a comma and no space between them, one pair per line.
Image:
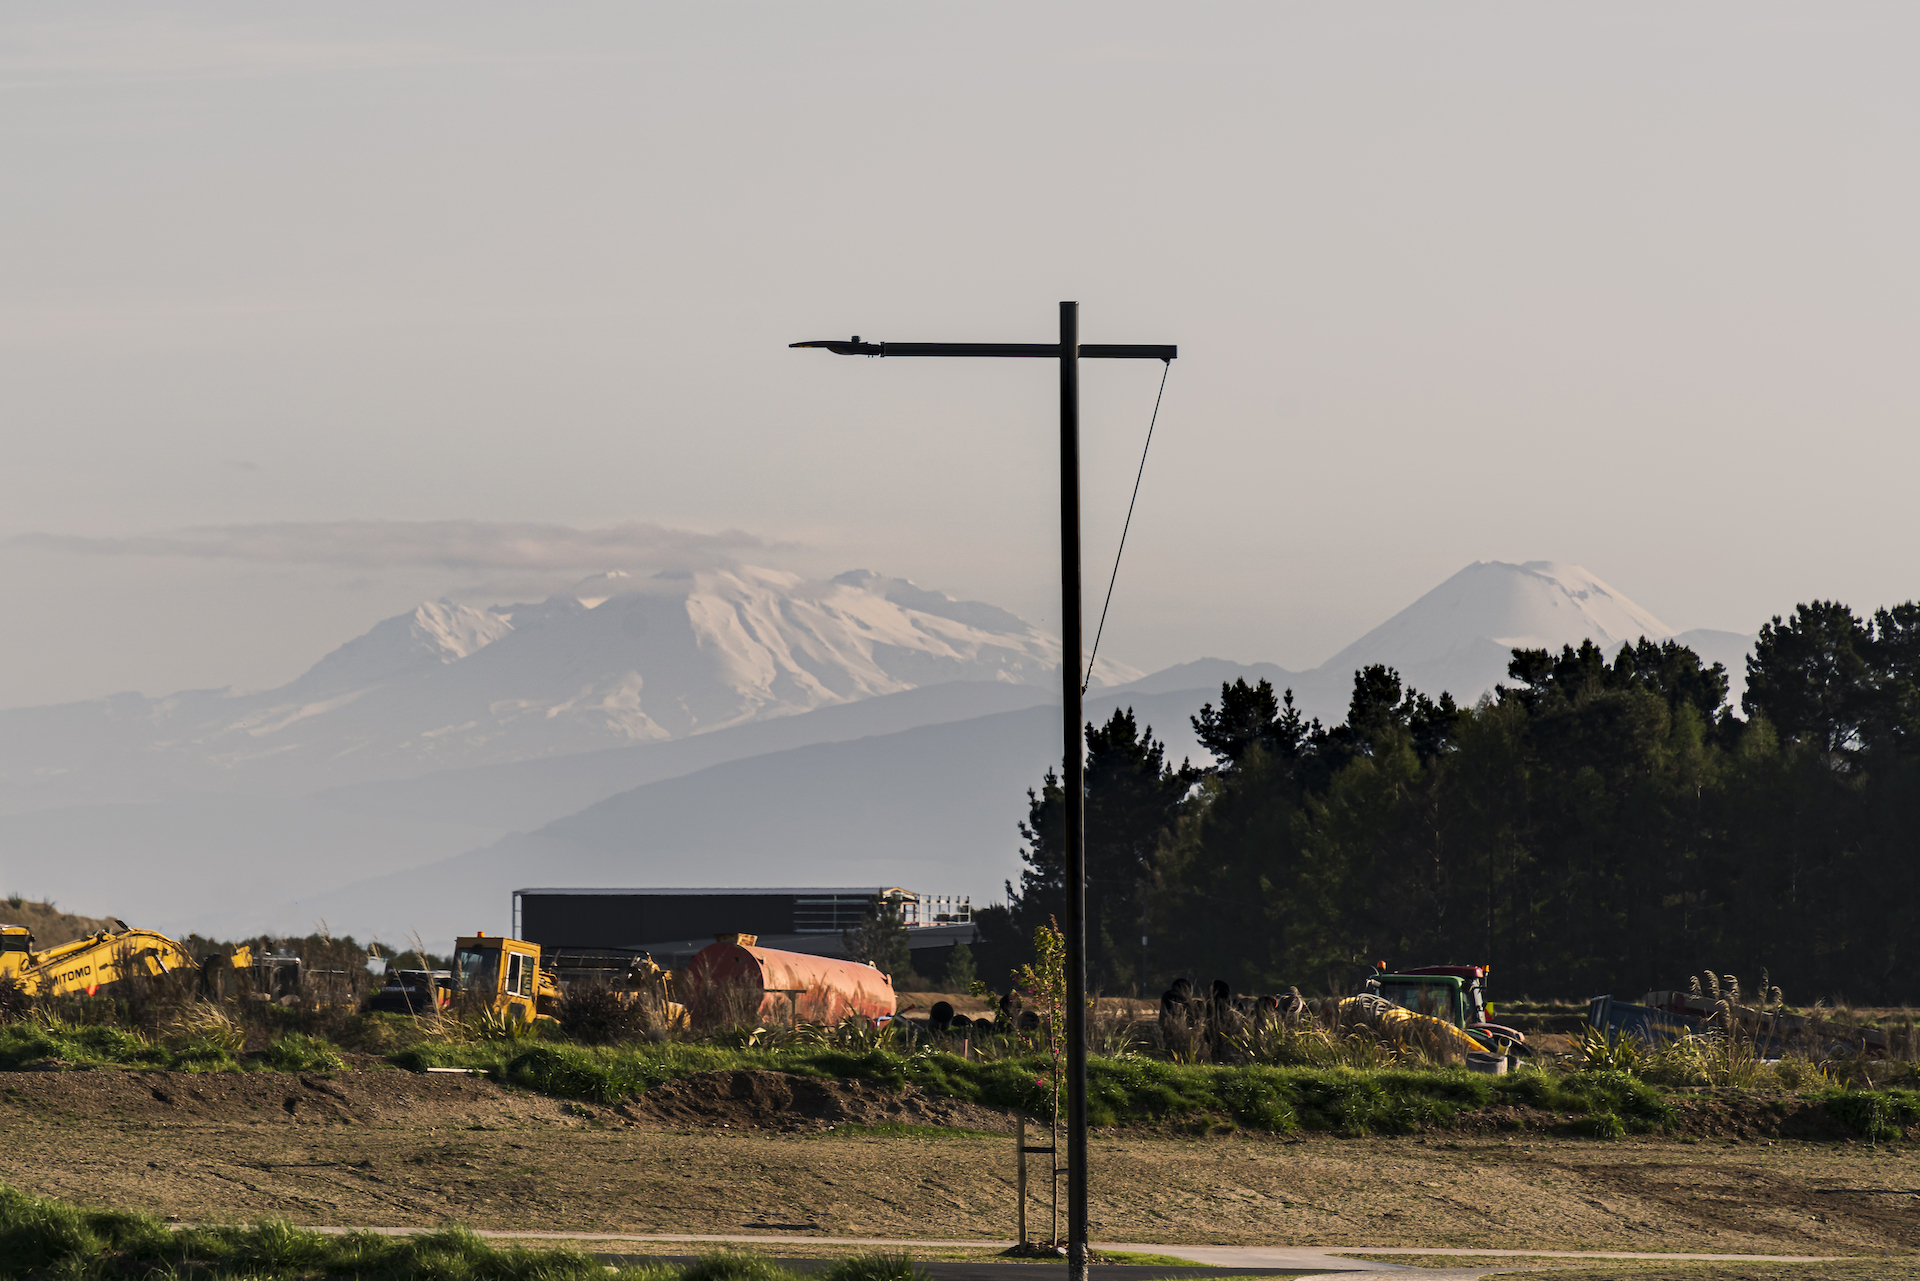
497,974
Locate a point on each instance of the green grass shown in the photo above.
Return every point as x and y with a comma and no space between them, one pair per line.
298,1052
104,1045
96,1045
44,1238
1877,1115
1150,1260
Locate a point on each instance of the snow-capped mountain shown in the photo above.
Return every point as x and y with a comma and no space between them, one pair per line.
619,661
1460,636
1539,605
436,633
724,727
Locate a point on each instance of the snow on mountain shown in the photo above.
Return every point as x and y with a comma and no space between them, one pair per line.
1459,637
616,663
729,726
1539,605
433,635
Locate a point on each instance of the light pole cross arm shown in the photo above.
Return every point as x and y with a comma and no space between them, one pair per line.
1040,350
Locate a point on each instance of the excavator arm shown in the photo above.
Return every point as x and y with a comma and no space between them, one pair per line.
85,966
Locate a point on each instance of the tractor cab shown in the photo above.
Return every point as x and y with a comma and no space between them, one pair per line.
502,975
1454,994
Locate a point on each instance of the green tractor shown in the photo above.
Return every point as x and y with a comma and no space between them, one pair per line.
1454,994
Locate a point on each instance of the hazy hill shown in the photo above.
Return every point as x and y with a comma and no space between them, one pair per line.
449,686
50,925
920,785
197,858
935,807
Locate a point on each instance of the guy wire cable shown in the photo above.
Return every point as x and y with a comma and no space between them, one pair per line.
1166,367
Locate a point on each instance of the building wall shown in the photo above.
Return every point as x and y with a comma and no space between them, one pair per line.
560,919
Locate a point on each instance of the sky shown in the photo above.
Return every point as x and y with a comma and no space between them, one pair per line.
308,313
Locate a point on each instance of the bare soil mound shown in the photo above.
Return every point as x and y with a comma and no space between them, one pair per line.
1729,1118
738,1100
742,1099
735,1152
381,1097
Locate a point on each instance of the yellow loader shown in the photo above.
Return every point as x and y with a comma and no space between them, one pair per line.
503,976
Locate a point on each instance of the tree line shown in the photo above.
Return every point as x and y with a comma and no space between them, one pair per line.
1597,825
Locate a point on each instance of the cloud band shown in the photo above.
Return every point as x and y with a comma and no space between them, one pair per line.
456,544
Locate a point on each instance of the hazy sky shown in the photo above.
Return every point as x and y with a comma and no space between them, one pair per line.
1630,286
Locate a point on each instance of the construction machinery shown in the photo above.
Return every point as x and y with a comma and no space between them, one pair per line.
1667,1016
1455,995
97,963
503,976
86,966
278,978
413,992
652,987
506,978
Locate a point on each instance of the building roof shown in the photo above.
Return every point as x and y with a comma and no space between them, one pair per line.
868,890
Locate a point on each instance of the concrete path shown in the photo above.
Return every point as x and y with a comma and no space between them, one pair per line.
1240,1258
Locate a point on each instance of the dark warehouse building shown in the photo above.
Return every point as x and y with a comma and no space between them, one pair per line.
673,924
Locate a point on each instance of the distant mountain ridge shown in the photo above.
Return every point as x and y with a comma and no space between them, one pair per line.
618,662
856,729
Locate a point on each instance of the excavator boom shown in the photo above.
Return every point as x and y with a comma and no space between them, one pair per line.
84,966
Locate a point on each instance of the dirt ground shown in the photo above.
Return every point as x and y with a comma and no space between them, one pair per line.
1550,1269
760,1152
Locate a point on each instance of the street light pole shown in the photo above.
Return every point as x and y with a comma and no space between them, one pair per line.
1070,351
1075,788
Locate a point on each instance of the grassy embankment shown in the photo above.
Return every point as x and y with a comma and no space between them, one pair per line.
42,1238
1125,1090
1285,1080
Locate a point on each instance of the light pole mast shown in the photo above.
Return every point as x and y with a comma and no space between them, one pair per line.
1075,788
1069,351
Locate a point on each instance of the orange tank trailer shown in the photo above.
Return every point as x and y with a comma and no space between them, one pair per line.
733,979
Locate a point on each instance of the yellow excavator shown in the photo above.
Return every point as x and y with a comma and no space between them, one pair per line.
501,975
95,964
87,965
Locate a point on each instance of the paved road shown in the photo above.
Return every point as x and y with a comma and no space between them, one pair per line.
1303,1261
1221,1260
